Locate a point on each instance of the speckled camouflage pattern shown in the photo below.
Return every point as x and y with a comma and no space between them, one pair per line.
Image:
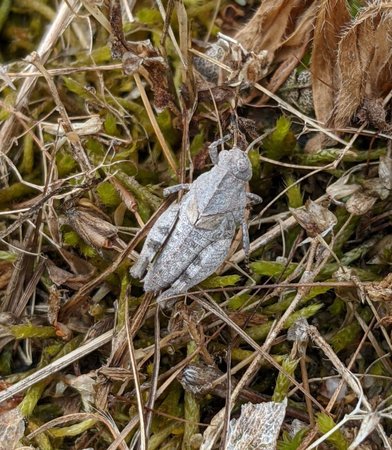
192,238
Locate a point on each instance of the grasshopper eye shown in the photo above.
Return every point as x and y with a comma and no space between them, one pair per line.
242,165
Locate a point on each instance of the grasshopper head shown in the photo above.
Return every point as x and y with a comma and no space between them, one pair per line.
236,162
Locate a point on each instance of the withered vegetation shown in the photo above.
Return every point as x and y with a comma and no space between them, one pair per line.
102,105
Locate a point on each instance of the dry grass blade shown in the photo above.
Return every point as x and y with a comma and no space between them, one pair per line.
55,366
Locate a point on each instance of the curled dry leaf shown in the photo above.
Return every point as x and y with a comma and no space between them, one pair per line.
257,427
89,126
12,428
364,72
360,203
291,51
85,385
374,186
141,57
91,228
142,53
362,200
61,277
54,304
341,189
126,196
314,218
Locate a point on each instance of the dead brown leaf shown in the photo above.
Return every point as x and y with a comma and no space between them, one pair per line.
314,218
125,195
267,28
77,265
62,277
6,269
91,228
284,29
331,17
364,72
380,291
360,203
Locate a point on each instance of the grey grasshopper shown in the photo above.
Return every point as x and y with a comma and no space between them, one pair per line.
192,238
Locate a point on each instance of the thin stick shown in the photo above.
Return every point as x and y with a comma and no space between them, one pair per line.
146,102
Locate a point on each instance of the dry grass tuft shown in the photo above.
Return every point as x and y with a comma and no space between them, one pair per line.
103,105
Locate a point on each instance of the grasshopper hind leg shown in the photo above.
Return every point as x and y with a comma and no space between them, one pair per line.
156,238
206,263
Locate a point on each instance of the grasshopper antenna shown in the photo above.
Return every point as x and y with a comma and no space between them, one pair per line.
213,148
257,140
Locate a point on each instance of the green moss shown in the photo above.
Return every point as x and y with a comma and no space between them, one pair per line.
197,144
325,423
5,7
283,383
28,330
254,157
238,301
7,256
281,141
71,238
14,192
282,305
220,281
259,332
294,194
65,163
149,16
6,361
272,268
108,195
291,443
110,125
27,164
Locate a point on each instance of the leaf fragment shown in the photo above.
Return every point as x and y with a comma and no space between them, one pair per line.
331,17
12,428
315,218
257,427
364,72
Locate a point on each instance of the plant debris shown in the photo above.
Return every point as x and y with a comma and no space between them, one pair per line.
106,107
